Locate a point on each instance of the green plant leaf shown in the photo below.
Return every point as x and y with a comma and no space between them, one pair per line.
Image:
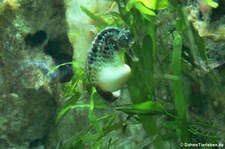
172,125
144,9
114,126
148,107
176,61
176,68
92,117
77,140
200,43
72,99
66,109
155,4
73,34
89,138
211,3
131,4
57,67
178,90
62,113
98,19
105,117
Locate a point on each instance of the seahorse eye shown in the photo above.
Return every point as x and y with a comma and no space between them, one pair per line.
124,39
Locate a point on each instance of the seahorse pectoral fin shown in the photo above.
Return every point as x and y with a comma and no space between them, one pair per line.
132,55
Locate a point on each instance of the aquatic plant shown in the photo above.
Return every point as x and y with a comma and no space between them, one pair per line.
172,65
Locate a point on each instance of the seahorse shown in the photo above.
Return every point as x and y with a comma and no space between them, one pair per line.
105,66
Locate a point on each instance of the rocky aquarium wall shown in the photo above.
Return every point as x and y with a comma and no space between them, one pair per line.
33,40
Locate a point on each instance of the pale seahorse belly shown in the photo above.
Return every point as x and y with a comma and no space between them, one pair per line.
113,78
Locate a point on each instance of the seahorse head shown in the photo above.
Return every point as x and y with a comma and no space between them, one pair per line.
125,41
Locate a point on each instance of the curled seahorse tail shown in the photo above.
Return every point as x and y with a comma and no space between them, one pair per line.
108,96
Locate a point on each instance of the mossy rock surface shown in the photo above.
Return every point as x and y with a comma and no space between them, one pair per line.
28,96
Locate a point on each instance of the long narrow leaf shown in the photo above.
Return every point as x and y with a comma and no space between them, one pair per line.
66,109
179,97
93,119
176,69
211,3
98,20
148,107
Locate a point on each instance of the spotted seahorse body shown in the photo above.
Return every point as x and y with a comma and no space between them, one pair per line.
104,61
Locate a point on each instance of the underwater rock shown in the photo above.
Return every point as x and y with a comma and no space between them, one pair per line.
33,40
60,49
210,26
